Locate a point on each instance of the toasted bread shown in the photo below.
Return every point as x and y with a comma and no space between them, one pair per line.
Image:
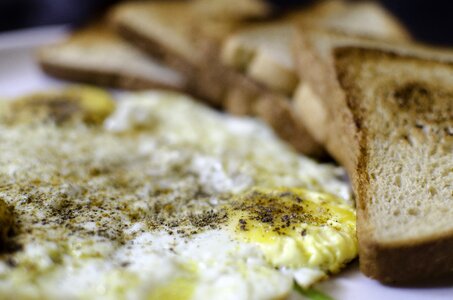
262,52
387,115
321,103
247,97
230,10
191,41
97,55
168,30
196,55
316,97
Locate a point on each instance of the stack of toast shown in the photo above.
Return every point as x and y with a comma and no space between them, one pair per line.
336,77
239,59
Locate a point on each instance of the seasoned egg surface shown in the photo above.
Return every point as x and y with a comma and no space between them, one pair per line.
158,197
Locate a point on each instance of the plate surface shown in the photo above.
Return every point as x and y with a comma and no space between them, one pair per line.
19,74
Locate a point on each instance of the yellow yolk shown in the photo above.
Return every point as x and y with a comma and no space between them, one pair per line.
297,228
158,202
96,103
92,105
177,289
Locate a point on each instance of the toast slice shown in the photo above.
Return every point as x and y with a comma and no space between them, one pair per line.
171,31
232,9
319,96
272,108
260,56
190,41
392,126
263,51
97,55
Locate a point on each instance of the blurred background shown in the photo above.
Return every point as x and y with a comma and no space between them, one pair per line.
430,21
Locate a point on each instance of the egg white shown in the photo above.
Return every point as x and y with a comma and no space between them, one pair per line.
155,133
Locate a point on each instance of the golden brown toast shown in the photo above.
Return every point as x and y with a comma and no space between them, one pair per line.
261,54
96,55
386,113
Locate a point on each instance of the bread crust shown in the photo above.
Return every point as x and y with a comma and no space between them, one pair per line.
198,82
406,263
242,95
90,43
103,78
327,96
400,261
247,97
222,86
277,111
153,48
344,136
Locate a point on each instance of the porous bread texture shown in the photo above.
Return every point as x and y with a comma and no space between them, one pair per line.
402,108
318,99
97,55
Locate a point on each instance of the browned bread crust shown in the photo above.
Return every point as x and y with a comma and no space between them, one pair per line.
103,78
278,112
264,79
197,79
153,48
247,97
407,263
84,57
319,97
220,85
241,95
347,134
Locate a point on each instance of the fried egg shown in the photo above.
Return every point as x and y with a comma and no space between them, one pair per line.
158,197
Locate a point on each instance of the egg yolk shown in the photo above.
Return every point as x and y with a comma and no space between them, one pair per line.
90,104
177,289
296,228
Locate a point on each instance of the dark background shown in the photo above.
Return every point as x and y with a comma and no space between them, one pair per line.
430,21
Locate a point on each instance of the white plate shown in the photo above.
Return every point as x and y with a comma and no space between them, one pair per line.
19,75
